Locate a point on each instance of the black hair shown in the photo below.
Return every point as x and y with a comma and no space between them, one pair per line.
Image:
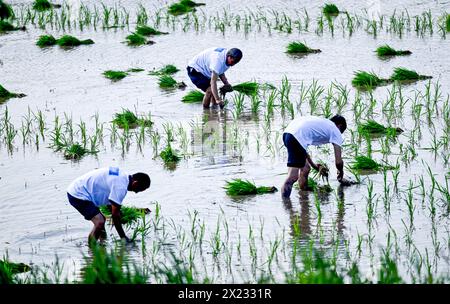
143,180
339,120
235,53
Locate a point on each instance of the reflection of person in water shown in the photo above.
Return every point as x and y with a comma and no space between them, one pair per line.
302,220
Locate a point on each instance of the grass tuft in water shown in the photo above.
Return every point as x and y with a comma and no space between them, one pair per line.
373,127
330,10
169,156
75,151
115,75
402,74
167,82
300,48
386,50
166,70
128,214
46,40
68,40
244,187
5,94
367,80
6,11
247,88
145,30
135,39
128,120
193,96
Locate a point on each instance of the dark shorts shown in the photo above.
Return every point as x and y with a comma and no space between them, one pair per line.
201,81
296,153
86,208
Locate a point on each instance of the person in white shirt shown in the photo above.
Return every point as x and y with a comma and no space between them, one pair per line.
207,67
104,186
299,135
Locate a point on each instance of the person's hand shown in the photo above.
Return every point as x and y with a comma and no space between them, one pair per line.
220,103
126,240
225,89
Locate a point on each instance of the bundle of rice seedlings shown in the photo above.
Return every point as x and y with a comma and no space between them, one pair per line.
447,23
75,151
247,88
145,30
402,74
68,40
177,9
300,48
115,75
386,50
5,94
135,40
193,96
126,119
128,214
46,40
43,5
166,70
373,127
191,3
330,10
6,11
135,70
244,187
14,268
367,80
169,156
167,82
362,162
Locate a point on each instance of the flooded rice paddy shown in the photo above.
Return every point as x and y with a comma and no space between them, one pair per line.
399,215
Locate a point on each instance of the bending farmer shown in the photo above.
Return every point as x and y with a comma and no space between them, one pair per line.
303,132
205,69
104,186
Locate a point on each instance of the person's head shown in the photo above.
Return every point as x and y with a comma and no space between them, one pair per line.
233,56
139,182
340,122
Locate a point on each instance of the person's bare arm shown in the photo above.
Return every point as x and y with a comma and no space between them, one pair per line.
117,217
224,79
311,163
214,91
339,162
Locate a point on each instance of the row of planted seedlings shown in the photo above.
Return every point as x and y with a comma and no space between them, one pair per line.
270,20
224,252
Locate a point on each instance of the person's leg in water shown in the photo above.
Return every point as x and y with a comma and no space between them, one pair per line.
303,177
208,98
292,177
99,228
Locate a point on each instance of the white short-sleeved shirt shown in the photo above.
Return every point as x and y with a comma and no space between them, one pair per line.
101,185
212,59
312,130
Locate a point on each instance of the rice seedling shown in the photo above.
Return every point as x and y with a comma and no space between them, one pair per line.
46,40
247,88
402,74
177,9
193,96
5,94
362,162
43,5
300,48
145,30
115,75
12,267
135,70
128,215
191,3
76,151
135,39
167,82
366,80
373,127
386,50
129,120
169,156
6,11
244,187
330,10
447,23
165,70
5,26
69,41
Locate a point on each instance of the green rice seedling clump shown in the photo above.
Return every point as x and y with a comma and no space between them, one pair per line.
128,214
169,156
115,75
6,11
193,96
68,40
167,82
42,5
166,70
126,119
364,79
362,162
245,187
386,50
5,94
330,9
46,40
75,151
14,267
247,88
447,23
177,9
135,40
300,48
373,127
402,74
6,26
191,3
145,30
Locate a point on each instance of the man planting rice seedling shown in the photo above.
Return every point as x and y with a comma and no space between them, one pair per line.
299,135
104,186
207,67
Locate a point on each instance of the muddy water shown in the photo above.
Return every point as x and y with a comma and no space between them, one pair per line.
37,221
